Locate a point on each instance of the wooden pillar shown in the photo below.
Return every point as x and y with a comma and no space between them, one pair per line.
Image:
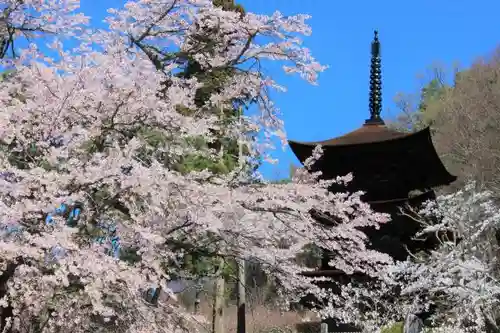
241,317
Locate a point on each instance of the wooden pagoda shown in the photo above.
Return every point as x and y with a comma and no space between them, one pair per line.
389,166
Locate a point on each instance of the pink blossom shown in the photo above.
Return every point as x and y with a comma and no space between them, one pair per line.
83,120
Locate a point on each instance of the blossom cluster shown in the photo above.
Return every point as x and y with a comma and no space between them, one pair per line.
454,287
77,128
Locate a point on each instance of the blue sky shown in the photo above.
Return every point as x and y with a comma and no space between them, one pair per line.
414,35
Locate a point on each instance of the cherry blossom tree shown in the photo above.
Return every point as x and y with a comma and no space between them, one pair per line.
455,287
33,19
81,133
460,278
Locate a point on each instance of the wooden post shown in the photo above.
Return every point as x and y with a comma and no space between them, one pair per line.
324,328
197,297
219,287
240,262
218,304
241,315
413,324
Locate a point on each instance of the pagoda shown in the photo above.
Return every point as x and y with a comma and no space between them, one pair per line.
394,169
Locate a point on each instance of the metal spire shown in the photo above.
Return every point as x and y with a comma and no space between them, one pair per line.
375,84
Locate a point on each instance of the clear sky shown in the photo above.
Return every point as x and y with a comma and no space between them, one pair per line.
414,35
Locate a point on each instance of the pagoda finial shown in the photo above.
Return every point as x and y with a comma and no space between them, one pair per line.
375,84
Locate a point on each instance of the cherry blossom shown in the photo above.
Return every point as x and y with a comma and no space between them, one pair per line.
74,129
454,286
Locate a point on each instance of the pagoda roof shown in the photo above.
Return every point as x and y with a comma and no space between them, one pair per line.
366,136
368,133
380,159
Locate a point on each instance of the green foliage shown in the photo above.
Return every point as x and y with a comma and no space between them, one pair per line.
431,92
214,79
197,162
6,74
193,162
153,137
23,159
395,328
198,265
430,105
229,5
212,82
93,145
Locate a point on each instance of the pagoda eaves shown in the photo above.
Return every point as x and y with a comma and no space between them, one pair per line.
363,135
385,166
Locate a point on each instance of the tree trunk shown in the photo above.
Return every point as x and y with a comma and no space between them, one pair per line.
218,304
413,324
197,298
241,316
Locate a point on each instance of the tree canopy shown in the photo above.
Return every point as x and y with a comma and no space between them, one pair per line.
463,115
103,128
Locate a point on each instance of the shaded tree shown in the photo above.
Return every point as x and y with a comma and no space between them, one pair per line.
465,119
